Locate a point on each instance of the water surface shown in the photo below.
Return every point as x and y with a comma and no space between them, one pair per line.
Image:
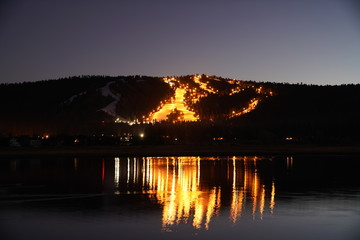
237,197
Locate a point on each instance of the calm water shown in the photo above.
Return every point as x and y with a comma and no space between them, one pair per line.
180,198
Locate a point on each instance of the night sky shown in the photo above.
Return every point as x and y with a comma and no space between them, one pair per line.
309,41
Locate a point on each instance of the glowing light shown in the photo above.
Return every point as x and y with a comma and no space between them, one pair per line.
262,201
218,138
178,104
177,184
252,105
46,136
174,182
128,171
178,108
247,181
76,163
117,172
289,162
272,199
203,85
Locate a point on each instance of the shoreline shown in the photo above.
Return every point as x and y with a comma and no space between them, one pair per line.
177,150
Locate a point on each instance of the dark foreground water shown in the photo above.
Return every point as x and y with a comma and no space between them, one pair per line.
237,197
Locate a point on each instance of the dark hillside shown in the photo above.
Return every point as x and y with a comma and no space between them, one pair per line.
307,113
228,110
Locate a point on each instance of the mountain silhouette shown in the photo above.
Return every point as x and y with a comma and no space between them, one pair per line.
189,108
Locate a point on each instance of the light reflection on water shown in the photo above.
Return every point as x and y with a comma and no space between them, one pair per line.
192,197
175,183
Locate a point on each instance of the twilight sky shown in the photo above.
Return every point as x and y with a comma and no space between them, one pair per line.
309,41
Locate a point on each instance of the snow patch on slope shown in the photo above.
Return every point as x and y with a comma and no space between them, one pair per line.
105,91
72,98
110,108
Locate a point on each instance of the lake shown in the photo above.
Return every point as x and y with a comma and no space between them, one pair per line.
235,197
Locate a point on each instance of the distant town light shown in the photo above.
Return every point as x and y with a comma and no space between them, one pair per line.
141,135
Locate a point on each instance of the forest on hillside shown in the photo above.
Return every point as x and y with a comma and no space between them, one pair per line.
71,107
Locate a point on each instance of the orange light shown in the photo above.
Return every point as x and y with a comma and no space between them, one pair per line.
179,104
176,184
